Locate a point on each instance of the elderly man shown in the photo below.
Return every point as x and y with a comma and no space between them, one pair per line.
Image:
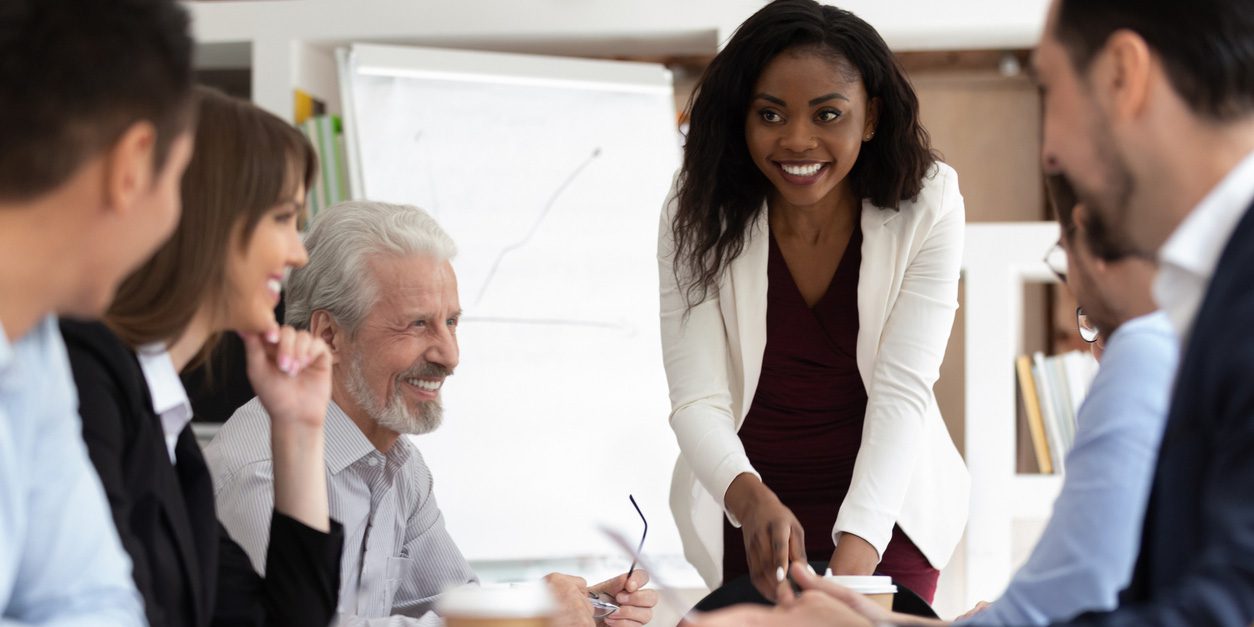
380,290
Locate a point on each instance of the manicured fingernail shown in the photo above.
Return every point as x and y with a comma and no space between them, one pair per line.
272,336
779,574
811,569
285,364
622,598
828,573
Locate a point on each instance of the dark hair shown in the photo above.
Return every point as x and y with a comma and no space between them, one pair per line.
1206,46
246,161
721,190
75,74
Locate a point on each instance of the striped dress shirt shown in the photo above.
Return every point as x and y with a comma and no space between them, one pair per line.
398,556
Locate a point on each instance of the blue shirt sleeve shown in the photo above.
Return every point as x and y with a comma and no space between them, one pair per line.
63,564
1087,551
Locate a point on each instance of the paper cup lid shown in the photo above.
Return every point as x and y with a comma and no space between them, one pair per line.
865,585
497,601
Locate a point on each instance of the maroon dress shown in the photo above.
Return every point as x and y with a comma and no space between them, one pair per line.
804,428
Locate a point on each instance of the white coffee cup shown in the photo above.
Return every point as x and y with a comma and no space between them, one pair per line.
877,588
523,605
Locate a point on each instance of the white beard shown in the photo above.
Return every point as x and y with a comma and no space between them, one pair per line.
395,414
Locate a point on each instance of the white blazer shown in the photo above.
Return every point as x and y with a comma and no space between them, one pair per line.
907,471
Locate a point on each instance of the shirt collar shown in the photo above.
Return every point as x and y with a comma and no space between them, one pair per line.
169,398
346,444
1153,320
1190,255
6,351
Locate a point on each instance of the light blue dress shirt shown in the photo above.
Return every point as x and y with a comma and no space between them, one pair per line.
1086,554
61,562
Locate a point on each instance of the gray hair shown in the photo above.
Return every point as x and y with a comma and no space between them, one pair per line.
342,240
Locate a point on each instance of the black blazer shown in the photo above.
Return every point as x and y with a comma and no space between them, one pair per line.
186,566
1196,564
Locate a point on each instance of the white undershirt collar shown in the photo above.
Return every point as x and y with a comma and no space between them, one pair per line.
169,398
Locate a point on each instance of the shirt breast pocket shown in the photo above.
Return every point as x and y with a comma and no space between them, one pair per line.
399,568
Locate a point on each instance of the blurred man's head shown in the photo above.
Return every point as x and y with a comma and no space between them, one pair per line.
379,288
1110,290
97,111
1129,87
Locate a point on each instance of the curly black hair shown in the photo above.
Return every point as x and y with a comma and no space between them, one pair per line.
721,190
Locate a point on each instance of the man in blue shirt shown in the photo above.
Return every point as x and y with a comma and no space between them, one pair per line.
96,102
1086,553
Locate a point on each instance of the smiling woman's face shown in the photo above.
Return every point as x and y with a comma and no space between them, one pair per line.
255,270
807,120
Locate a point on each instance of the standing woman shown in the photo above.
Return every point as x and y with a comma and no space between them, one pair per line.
809,258
243,196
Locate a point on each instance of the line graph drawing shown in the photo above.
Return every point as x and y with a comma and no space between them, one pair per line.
552,191
524,240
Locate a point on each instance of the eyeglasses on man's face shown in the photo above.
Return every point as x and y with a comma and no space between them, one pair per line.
1088,329
1056,260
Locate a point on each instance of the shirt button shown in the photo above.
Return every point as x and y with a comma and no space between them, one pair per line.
372,461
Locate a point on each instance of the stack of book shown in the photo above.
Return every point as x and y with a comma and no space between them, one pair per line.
326,133
327,136
1053,389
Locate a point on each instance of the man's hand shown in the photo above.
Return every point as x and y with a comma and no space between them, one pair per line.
808,581
979,607
773,535
571,595
853,556
635,605
869,610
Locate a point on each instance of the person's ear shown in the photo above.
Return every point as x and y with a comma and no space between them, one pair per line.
1125,74
129,171
1098,265
872,119
323,325
1079,213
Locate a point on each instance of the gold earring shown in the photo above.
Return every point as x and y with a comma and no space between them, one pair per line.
869,136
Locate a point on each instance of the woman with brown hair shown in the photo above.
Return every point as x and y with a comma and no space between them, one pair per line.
243,197
809,259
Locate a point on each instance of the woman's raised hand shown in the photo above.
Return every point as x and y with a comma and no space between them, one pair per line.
290,371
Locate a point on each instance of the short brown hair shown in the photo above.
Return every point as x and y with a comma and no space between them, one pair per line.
246,161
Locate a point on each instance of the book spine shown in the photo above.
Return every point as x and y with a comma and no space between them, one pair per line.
1040,372
1032,407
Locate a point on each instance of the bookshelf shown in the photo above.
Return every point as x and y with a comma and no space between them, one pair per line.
999,259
